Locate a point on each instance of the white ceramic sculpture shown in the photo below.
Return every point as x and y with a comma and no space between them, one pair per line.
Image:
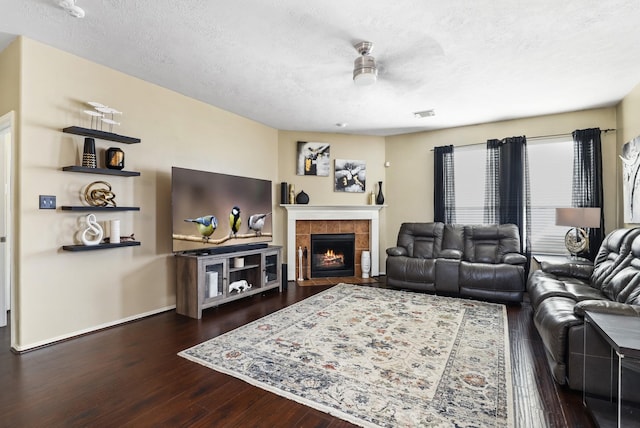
239,286
93,234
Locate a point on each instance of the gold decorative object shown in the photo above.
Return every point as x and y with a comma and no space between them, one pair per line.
292,194
99,196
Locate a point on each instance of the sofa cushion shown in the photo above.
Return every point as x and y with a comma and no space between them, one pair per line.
543,285
606,307
410,269
633,297
615,248
624,285
422,240
489,243
397,251
576,268
553,319
423,247
514,259
488,276
453,238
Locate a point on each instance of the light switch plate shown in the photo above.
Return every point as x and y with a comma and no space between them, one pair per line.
47,202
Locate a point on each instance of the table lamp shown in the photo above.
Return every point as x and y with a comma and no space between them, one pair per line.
577,240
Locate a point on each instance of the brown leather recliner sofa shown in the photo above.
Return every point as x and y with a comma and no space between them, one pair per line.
478,261
560,293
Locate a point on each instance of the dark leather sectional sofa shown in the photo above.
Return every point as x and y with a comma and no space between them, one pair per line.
478,261
560,293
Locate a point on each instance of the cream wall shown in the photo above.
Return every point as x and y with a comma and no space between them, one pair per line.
10,78
321,189
410,177
64,293
628,113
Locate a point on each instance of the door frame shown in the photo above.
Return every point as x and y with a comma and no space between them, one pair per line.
7,125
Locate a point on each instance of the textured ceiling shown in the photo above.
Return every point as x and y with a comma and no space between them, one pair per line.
288,63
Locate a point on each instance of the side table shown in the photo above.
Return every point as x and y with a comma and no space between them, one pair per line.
622,406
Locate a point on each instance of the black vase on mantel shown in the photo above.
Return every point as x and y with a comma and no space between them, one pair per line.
302,198
380,197
284,193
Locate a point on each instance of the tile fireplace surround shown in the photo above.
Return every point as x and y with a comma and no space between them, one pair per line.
363,220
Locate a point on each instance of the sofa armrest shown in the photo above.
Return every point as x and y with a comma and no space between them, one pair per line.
450,254
574,268
606,307
514,259
397,251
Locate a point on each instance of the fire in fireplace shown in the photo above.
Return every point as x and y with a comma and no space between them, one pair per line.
332,254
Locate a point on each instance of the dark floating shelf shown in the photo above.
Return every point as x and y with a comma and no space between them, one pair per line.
85,208
101,171
100,246
77,130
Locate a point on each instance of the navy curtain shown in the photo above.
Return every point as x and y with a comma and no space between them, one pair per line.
444,201
507,192
587,180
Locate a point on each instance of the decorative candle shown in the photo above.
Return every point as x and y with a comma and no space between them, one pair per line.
114,237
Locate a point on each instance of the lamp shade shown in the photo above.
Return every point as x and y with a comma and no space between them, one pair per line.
578,217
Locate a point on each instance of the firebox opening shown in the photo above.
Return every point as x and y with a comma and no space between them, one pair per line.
332,254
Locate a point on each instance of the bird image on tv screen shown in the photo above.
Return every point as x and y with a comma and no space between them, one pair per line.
211,209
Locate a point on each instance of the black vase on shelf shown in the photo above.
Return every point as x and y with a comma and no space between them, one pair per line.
89,153
380,197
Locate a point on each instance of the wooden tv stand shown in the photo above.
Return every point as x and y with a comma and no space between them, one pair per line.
204,280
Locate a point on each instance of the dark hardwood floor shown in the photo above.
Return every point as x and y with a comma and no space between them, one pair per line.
130,375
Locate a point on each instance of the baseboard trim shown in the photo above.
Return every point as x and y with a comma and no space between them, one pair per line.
43,344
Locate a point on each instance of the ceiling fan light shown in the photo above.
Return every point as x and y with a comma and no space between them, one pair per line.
365,76
365,71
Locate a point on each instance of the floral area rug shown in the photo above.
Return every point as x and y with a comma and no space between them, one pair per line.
377,357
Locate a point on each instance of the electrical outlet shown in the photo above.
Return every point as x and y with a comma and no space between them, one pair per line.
47,202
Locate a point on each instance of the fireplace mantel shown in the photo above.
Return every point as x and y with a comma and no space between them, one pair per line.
333,212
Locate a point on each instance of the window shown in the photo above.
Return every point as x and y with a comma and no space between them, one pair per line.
469,177
550,175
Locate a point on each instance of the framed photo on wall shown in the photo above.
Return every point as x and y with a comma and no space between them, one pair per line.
631,180
350,175
313,159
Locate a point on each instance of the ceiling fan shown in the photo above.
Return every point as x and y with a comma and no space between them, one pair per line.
365,71
400,67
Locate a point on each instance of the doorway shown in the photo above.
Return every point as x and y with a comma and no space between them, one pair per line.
6,138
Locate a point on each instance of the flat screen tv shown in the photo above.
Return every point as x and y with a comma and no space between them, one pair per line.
213,212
